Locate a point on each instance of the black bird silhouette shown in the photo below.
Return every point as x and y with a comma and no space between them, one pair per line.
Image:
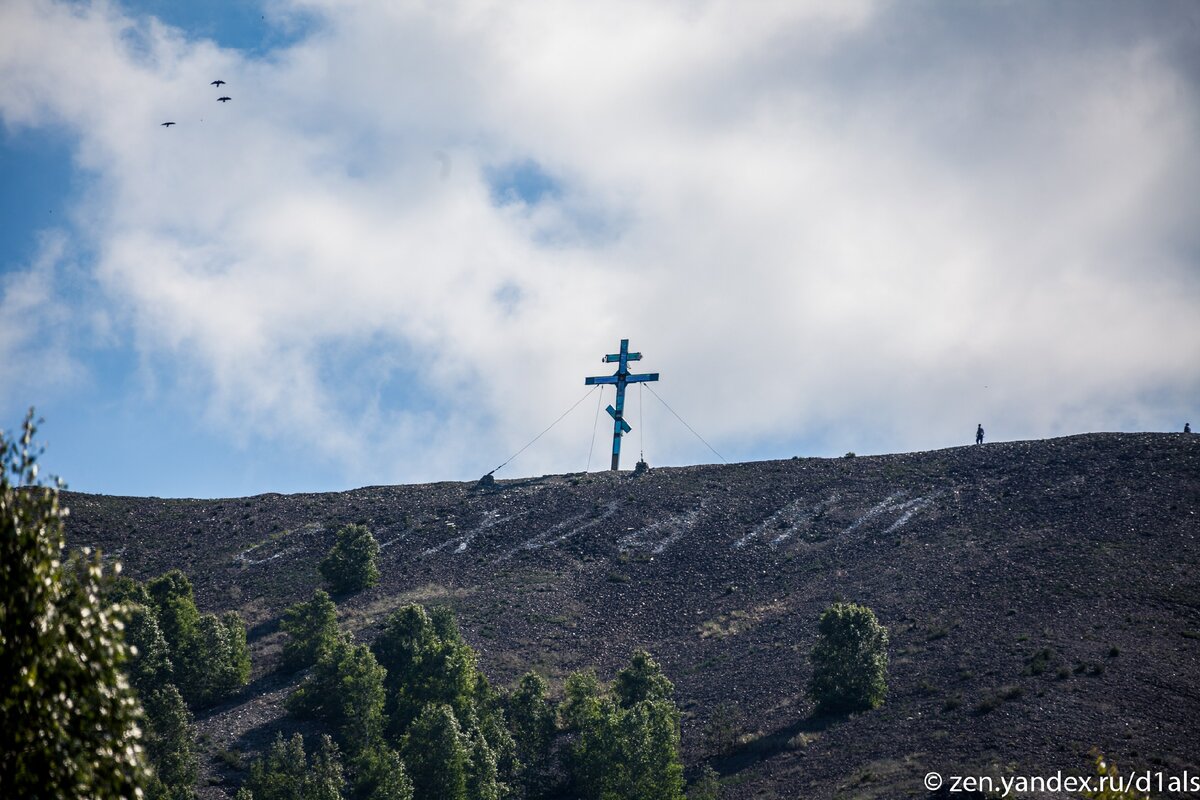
167,124
224,99
216,83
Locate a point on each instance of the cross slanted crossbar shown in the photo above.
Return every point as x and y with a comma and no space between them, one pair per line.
620,379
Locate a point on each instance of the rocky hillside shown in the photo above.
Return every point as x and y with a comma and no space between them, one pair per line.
1043,598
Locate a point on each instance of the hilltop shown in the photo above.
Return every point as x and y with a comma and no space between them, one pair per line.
1043,597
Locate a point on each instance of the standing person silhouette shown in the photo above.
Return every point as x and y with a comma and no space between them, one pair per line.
1187,427
979,434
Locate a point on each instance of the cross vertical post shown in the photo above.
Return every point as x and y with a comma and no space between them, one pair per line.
620,379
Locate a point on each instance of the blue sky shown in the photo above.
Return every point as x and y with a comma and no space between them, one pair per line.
396,252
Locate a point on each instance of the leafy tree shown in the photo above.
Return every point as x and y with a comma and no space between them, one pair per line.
707,786
435,754
68,717
286,773
209,655
345,690
642,680
423,668
175,609
312,630
169,745
849,660
379,774
625,751
350,565
532,720
219,658
581,704
150,667
483,774
649,763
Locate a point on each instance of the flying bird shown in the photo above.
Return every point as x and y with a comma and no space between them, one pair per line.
224,99
216,83
167,124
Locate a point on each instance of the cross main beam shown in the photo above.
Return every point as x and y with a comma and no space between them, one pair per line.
620,378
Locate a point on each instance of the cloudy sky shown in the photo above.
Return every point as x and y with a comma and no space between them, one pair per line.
396,252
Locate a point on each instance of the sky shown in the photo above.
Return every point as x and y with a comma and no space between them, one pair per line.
415,228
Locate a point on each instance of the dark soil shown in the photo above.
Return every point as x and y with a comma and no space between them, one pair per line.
1042,597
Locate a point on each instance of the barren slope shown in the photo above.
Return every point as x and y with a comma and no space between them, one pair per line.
978,559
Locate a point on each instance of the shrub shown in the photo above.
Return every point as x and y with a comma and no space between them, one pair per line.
350,565
58,639
1107,769
849,660
312,631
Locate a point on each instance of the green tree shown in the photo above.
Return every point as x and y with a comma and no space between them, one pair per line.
707,786
379,774
423,668
849,660
641,680
168,739
68,717
345,690
178,618
150,667
219,658
350,564
286,773
312,631
627,735
531,717
582,700
436,756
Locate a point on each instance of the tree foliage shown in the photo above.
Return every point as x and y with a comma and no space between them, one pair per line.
68,717
312,631
426,663
209,654
379,774
435,752
168,739
531,718
350,564
287,773
849,660
628,737
345,690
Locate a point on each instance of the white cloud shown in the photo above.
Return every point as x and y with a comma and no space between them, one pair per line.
817,224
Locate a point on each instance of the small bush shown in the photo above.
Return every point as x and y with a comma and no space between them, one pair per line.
849,660
350,565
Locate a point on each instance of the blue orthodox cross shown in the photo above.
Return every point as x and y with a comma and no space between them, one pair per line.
620,378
